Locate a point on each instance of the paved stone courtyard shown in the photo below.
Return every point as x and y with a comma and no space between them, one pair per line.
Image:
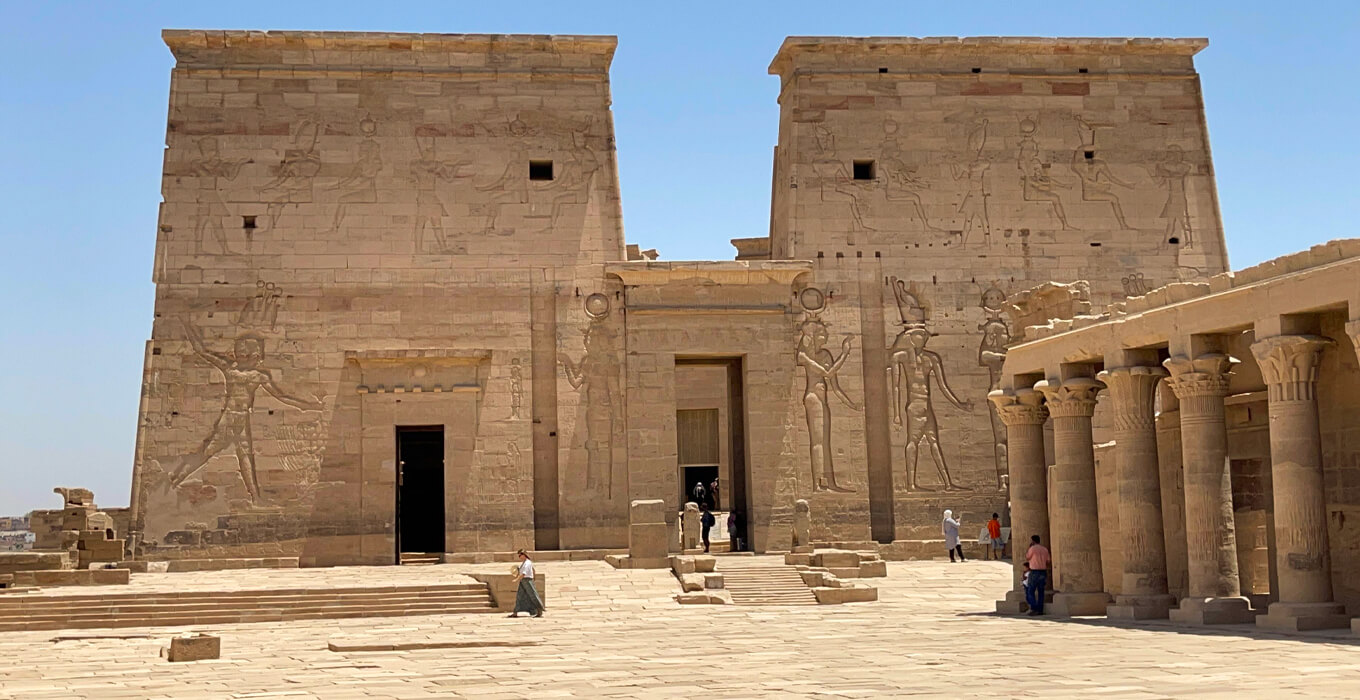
617,634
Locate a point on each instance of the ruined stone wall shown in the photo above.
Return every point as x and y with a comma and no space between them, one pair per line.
361,231
930,179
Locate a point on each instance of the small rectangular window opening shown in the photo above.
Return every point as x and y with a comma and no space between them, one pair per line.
1083,70
864,170
1095,245
882,70
540,170
1090,155
977,70
248,222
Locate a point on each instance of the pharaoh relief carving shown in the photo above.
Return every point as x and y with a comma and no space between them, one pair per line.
426,172
912,369
509,187
596,376
1097,181
973,174
575,178
1170,172
996,338
821,370
1038,184
294,175
244,375
360,183
900,181
211,169
836,180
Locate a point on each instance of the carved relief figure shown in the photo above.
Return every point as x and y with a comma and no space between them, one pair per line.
511,187
426,172
292,183
837,183
911,369
1038,184
360,185
576,180
261,312
597,377
996,337
821,370
901,183
210,169
1171,172
300,448
516,388
244,376
973,208
1097,181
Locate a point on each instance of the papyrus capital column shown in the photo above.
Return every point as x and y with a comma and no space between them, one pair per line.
1075,519
1289,365
1214,596
1023,413
1132,398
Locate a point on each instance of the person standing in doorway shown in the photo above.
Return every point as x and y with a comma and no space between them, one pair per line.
526,596
713,494
699,494
733,542
706,523
997,545
1037,561
950,528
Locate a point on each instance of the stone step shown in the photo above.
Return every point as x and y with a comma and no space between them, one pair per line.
35,602
134,606
764,584
247,594
278,615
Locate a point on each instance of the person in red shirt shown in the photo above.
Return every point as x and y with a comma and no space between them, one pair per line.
1037,561
997,545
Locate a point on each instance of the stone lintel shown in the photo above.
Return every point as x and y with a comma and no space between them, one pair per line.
754,272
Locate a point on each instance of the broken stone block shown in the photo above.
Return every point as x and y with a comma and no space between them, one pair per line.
196,647
713,581
705,564
856,594
833,558
873,569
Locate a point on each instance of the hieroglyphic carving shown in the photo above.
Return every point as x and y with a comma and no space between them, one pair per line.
596,376
426,172
821,370
516,388
1097,180
1135,284
293,176
261,311
509,188
973,207
300,448
996,337
210,169
910,370
244,377
1170,172
360,184
1037,183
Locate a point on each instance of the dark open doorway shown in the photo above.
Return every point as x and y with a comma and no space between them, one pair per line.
420,489
735,488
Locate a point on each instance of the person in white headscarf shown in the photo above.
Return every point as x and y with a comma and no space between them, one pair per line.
950,528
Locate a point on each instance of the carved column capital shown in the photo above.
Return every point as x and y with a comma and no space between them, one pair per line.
1072,398
1205,375
1019,407
1289,365
1133,393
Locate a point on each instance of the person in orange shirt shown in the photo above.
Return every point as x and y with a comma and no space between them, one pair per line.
1037,561
998,545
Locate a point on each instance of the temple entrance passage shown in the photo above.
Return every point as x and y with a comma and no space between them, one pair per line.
710,438
420,489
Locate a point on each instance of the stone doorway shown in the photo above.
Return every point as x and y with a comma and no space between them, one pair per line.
420,490
711,436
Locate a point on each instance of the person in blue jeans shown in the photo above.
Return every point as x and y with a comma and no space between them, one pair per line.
1037,561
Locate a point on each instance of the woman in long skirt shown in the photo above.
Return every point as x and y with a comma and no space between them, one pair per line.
526,597
950,528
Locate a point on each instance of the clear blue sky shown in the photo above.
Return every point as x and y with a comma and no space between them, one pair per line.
84,91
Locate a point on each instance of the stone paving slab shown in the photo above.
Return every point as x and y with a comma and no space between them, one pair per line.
618,634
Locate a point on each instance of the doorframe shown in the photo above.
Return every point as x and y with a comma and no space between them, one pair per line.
397,430
740,480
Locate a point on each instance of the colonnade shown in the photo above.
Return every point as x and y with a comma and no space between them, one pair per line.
1189,440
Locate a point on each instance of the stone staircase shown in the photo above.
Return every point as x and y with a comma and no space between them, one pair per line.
53,612
758,583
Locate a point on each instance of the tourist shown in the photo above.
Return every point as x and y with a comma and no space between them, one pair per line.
698,493
526,597
1037,561
733,543
706,522
950,527
996,545
713,494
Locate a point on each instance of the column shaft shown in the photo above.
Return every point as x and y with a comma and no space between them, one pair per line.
1023,414
1303,558
1172,477
1143,589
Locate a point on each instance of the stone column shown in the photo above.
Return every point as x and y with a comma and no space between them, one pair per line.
1023,413
1214,595
1076,521
1142,591
1173,490
1289,366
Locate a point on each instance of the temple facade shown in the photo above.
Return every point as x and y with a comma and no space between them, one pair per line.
395,310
